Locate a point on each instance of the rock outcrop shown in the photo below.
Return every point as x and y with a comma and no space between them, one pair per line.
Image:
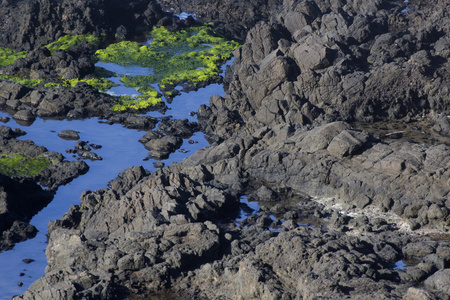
343,212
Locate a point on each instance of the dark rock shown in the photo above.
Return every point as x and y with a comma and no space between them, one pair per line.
28,260
416,251
69,135
264,194
24,115
13,104
82,145
24,22
12,91
161,148
134,122
158,164
89,155
305,71
95,146
418,294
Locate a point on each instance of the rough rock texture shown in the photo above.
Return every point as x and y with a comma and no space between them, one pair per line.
79,102
22,197
29,24
339,63
168,137
75,62
233,18
339,206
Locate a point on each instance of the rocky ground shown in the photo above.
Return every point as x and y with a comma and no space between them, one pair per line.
340,204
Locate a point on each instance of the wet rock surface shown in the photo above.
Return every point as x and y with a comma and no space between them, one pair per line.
168,137
84,150
340,205
69,135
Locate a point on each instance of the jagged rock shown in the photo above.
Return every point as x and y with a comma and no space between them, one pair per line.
283,124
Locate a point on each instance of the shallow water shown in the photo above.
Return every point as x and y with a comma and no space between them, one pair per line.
120,150
400,265
250,208
419,132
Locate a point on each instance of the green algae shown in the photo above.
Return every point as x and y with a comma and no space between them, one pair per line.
170,53
22,80
67,41
149,95
20,165
9,56
143,102
190,56
101,84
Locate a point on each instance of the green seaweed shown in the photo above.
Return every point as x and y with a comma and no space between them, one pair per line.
101,84
22,80
189,56
9,56
20,165
143,102
149,95
67,41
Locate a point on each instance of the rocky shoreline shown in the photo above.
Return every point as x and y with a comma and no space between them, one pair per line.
23,192
340,206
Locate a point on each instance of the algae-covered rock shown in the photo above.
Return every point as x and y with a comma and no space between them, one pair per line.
25,169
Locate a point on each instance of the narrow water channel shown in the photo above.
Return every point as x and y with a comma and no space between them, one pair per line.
120,150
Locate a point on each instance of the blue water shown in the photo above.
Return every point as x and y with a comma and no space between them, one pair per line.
247,209
400,265
120,150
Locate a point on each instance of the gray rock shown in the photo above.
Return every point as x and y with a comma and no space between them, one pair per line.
439,282
24,115
69,135
347,142
442,124
89,155
311,54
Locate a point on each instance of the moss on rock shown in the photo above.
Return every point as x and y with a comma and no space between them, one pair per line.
20,165
9,56
22,80
101,84
144,101
67,41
